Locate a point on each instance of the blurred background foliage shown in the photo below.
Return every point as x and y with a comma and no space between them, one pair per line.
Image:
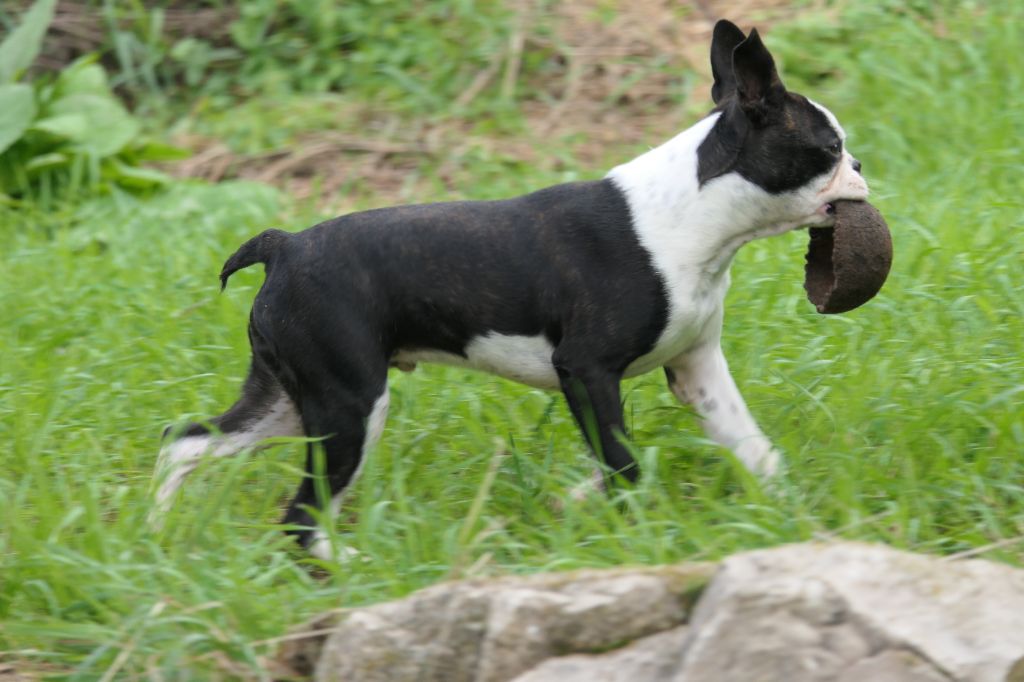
125,91
247,85
417,55
166,60
227,50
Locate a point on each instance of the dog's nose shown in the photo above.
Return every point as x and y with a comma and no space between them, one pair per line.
856,165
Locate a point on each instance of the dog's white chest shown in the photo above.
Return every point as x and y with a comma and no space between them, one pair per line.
679,226
694,315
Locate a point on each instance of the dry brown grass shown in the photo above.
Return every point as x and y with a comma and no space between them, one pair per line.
623,74
620,74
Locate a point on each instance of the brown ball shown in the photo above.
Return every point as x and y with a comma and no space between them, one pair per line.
847,264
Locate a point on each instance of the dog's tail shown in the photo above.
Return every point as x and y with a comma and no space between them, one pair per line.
259,249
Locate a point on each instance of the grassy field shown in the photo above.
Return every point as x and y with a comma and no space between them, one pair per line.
901,422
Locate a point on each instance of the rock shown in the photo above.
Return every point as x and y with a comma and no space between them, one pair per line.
491,631
788,608
892,666
651,659
844,612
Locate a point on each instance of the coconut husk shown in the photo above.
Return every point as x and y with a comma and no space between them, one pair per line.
847,264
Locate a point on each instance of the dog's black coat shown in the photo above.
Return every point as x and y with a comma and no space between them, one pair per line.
342,301
564,262
341,298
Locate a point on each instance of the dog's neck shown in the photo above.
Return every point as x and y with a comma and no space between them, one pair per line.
683,224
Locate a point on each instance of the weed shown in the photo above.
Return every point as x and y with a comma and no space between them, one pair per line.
60,136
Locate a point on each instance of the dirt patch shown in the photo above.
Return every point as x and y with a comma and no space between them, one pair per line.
616,76
637,63
80,28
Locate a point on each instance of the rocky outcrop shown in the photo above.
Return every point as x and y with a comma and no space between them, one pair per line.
800,613
483,630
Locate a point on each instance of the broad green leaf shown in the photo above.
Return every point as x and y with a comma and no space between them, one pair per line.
105,127
83,76
73,127
47,161
19,49
158,151
17,109
134,177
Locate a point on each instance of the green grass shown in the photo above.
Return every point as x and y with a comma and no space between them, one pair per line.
901,421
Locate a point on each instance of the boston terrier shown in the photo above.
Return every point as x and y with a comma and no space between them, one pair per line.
572,288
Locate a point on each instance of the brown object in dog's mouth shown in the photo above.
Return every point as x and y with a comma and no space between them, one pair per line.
847,264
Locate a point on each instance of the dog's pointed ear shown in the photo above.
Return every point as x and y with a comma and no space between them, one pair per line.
724,40
758,85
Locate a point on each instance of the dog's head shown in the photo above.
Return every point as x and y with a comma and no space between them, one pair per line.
785,144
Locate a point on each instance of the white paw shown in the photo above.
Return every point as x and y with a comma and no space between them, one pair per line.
759,456
585,489
321,548
581,491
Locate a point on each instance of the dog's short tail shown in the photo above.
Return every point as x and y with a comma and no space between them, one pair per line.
259,249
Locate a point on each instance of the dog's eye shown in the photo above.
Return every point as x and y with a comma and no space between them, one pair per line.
835,148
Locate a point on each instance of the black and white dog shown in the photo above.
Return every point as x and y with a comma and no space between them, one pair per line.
573,287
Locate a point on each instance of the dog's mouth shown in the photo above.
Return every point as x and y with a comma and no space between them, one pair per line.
847,262
824,216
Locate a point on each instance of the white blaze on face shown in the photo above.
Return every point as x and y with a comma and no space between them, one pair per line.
833,121
845,183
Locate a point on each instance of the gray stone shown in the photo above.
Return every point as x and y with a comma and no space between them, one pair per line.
892,666
779,607
491,631
843,612
654,658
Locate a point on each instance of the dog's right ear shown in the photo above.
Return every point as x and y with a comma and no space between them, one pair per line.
726,37
758,86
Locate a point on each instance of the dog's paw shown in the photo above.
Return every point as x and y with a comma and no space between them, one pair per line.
581,491
584,489
760,457
321,548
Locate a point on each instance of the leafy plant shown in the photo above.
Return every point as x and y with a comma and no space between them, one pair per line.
21,47
373,49
16,52
67,133
384,50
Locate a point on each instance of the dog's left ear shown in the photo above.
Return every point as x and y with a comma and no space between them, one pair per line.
758,85
726,37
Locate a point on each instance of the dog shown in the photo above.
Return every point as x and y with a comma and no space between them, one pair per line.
571,288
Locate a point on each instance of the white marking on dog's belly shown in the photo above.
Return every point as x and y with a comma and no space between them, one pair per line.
526,359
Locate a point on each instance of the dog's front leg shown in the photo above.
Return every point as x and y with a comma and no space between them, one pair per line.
594,399
701,378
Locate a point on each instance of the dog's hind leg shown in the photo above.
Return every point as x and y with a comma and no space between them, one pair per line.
347,415
263,411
